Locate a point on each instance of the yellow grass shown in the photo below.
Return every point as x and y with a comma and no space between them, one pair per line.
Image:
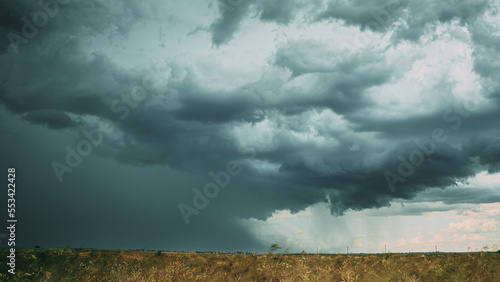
98,265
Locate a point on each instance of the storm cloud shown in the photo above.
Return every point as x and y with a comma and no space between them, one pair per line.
315,103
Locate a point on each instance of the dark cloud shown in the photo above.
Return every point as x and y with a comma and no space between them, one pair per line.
487,150
473,195
315,125
224,28
280,11
198,105
375,15
354,185
52,119
484,34
409,18
232,13
344,79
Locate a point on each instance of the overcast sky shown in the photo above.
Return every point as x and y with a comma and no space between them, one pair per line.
229,125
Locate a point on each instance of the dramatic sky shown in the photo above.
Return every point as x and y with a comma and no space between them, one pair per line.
232,124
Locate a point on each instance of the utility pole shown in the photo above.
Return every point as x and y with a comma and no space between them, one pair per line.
385,248
436,249
347,249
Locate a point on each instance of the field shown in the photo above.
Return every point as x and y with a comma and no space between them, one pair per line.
103,265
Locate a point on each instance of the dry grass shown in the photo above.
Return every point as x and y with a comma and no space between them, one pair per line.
96,265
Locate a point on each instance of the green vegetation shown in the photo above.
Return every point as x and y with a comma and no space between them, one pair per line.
103,265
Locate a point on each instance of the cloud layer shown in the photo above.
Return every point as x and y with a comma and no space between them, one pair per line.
353,104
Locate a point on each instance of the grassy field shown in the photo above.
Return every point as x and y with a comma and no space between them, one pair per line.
102,265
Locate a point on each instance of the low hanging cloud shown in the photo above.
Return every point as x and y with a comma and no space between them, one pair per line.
51,118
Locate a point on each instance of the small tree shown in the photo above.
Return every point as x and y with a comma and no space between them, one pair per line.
485,248
274,247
